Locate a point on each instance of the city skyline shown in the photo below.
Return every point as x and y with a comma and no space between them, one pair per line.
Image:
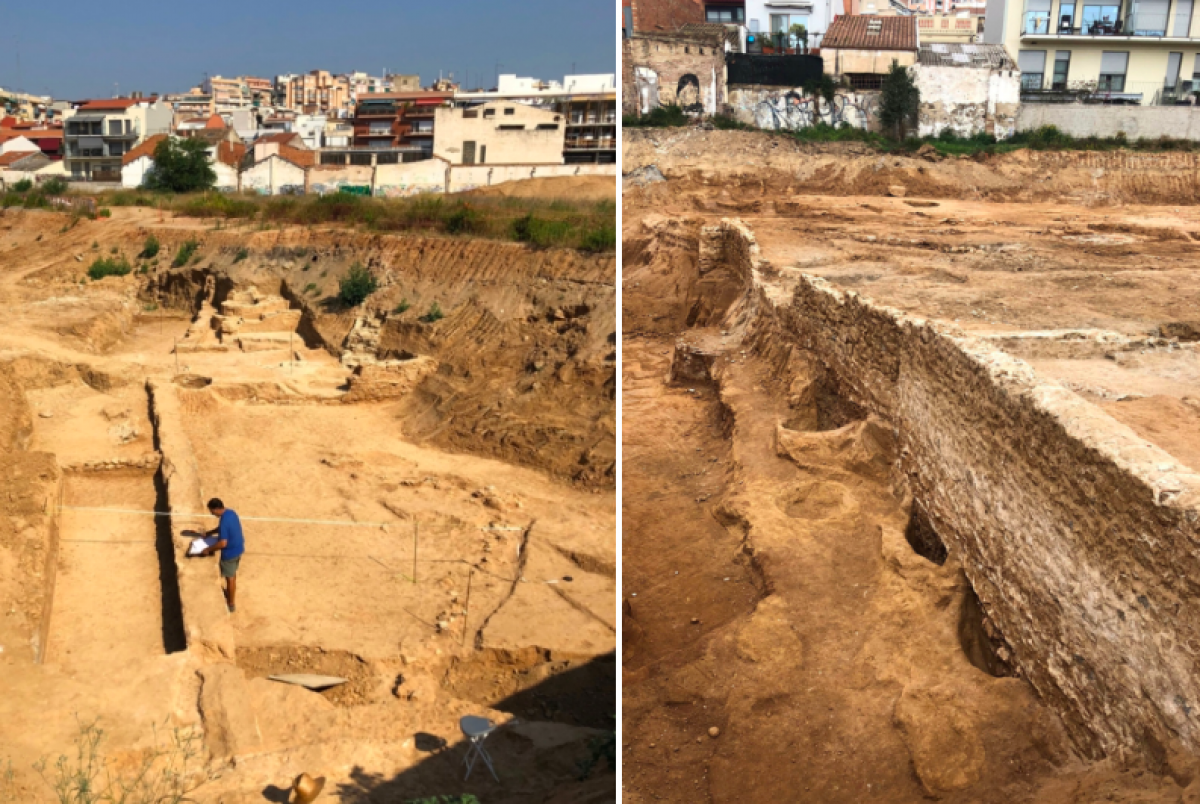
548,40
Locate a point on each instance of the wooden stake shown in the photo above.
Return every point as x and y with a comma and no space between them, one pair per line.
416,534
467,605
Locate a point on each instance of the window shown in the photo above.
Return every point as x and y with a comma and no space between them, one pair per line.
469,113
1149,18
482,154
547,126
1097,17
724,14
489,112
509,112
1032,64
469,152
1112,71
1062,66
1183,18
782,23
512,128
1066,17
1174,62
1037,17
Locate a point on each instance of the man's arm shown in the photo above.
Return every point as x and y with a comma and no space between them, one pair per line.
208,551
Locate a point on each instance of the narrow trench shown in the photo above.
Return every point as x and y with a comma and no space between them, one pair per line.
173,635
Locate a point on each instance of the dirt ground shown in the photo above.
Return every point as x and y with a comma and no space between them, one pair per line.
383,444
783,637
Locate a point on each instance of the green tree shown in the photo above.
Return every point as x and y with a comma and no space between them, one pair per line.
181,166
899,102
800,34
820,88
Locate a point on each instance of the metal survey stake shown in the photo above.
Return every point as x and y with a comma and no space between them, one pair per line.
467,605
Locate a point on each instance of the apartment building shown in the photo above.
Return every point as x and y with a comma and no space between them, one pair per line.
318,92
100,132
363,84
1143,52
587,104
228,94
398,120
778,17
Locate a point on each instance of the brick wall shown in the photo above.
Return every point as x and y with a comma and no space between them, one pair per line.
654,68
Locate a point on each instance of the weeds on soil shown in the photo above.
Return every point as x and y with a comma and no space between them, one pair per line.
109,266
434,315
185,253
402,307
150,249
168,773
561,223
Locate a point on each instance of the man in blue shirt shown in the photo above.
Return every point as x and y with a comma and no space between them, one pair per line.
230,543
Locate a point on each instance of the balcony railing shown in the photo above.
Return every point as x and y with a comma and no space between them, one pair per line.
595,144
1114,92
375,111
1139,25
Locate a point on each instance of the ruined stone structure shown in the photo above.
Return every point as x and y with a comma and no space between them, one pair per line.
684,69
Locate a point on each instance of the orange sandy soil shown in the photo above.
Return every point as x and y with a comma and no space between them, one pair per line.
839,673
74,358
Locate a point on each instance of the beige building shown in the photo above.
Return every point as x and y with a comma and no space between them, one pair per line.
318,92
1109,51
499,133
862,49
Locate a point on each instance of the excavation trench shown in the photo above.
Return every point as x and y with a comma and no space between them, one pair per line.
917,509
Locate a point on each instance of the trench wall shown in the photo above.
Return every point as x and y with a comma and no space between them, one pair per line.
206,621
1079,537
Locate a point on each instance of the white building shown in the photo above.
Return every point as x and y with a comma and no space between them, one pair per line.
100,132
769,16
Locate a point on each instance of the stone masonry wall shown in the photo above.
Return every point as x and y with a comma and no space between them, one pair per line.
1080,538
672,70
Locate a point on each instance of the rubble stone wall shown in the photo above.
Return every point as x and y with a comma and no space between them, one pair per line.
661,70
1078,536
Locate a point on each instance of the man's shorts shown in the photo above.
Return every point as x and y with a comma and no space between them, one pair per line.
229,567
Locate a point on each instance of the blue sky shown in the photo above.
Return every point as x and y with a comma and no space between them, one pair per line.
74,50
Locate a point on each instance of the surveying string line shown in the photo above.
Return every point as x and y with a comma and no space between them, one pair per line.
188,515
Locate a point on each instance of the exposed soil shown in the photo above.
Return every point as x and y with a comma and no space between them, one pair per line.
418,497
782,587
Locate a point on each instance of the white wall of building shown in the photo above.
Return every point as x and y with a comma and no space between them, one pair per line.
271,175
815,15
133,174
18,144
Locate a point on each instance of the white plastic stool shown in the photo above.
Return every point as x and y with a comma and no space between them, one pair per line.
476,730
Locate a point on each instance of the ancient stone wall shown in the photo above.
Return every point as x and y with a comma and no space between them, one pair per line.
673,70
1078,536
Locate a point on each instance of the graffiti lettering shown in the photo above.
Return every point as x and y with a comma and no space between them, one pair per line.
793,111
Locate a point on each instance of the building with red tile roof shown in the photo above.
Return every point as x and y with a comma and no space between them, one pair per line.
863,48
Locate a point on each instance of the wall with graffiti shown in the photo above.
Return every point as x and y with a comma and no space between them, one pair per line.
782,109
410,178
326,179
272,174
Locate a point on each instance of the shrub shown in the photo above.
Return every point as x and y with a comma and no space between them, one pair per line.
899,102
311,287
541,232
54,186
23,186
242,253
109,266
112,250
105,213
402,307
357,285
463,220
434,315
601,238
185,253
150,249
661,117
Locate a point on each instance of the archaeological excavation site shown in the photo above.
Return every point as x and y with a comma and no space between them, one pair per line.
911,473
426,482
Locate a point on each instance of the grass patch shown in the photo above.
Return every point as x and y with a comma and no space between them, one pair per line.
311,287
185,253
150,249
561,223
109,266
661,117
434,315
242,253
402,307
